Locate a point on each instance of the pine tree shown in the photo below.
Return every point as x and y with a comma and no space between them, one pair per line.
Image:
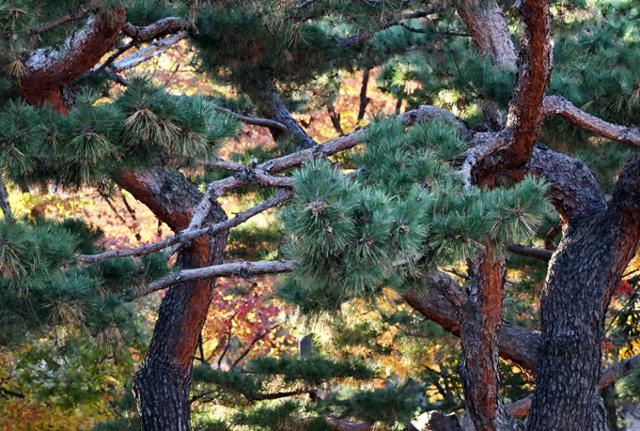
441,214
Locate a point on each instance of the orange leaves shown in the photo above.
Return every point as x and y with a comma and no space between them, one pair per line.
242,317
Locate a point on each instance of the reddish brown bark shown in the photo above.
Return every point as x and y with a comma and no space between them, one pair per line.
512,148
485,21
481,317
49,69
515,343
162,383
525,110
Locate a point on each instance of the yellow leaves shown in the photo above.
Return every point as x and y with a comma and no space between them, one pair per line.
25,414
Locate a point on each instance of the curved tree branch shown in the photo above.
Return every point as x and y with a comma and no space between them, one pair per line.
515,343
155,30
558,105
513,147
49,69
573,189
525,109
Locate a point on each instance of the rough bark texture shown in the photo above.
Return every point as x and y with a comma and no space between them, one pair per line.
512,148
440,422
584,271
49,69
525,110
558,105
162,383
514,342
485,21
573,189
481,317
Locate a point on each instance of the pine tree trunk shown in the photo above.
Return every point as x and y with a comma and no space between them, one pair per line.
162,383
481,317
586,268
162,393
572,327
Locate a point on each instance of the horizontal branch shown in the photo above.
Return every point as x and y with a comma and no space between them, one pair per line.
157,29
234,269
615,372
273,166
262,396
189,234
257,121
154,49
558,105
536,253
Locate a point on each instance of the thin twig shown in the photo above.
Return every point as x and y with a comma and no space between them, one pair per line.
251,345
249,119
80,13
189,234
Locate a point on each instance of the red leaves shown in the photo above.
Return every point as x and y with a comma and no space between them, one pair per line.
624,288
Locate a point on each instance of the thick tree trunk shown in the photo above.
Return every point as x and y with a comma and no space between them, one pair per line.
587,266
162,383
481,317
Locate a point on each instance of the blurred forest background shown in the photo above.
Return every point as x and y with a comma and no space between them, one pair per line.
377,360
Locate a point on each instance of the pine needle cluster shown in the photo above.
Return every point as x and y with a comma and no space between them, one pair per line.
143,127
42,286
407,210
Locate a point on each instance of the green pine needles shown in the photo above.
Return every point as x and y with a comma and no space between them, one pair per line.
143,127
406,211
41,284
